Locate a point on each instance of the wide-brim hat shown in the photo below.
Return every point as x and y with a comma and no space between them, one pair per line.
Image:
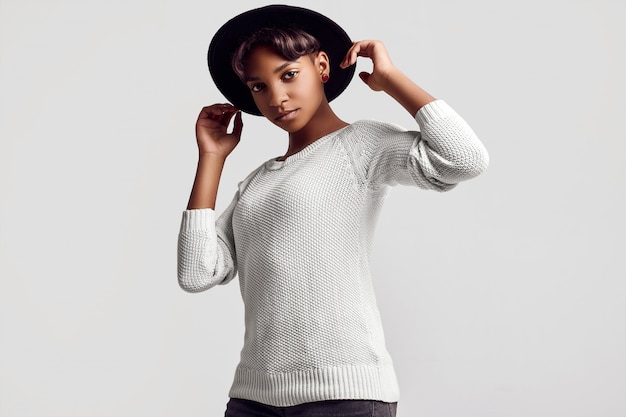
332,38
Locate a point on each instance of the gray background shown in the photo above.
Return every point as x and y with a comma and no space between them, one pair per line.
502,298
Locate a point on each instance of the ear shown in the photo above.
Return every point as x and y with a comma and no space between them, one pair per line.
322,63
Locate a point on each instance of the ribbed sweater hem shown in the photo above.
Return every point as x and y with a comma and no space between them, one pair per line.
356,382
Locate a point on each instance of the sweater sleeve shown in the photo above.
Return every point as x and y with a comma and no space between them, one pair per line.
445,152
206,249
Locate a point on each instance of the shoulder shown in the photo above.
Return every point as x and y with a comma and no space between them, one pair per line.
368,127
364,134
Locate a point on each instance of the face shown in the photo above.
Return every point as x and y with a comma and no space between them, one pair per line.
288,93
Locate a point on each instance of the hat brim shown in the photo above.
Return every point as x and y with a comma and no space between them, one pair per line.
333,40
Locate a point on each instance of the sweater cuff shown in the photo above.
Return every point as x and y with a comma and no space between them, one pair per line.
434,110
197,219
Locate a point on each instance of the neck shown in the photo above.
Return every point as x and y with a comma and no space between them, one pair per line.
324,122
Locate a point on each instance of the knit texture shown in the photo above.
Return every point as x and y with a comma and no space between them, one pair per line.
298,234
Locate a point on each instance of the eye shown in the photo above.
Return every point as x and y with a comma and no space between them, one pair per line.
290,74
255,88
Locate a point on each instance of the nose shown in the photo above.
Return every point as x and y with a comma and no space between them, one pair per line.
277,96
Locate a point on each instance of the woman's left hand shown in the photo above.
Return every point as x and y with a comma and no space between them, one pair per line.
375,50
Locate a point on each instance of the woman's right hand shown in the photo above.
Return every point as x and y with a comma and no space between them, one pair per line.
211,134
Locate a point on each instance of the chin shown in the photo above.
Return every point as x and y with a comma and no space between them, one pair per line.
290,127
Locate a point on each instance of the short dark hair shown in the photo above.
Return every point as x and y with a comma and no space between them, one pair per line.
291,43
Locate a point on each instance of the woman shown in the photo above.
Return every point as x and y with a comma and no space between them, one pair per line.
298,231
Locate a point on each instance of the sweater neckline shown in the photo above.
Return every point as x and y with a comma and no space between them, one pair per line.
275,163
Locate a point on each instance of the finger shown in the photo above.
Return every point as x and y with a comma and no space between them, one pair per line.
238,125
220,109
366,49
209,111
226,115
360,48
217,109
219,113
364,76
204,113
351,55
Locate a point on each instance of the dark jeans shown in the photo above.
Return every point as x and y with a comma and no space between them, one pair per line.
337,408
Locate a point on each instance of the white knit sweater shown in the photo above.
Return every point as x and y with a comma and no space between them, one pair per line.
299,234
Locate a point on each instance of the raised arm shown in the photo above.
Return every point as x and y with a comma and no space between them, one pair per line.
443,153
214,145
386,77
205,246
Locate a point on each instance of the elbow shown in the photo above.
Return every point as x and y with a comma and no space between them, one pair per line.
473,163
477,164
197,278
193,281
185,286
188,285
446,166
478,158
467,157
447,175
195,286
481,161
193,270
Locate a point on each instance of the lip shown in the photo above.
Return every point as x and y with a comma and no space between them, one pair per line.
287,115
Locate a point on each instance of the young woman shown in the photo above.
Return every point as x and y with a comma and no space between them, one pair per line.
298,230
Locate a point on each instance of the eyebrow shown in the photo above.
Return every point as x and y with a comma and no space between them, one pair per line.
277,70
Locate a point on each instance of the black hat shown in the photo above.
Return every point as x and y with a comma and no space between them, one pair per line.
332,38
